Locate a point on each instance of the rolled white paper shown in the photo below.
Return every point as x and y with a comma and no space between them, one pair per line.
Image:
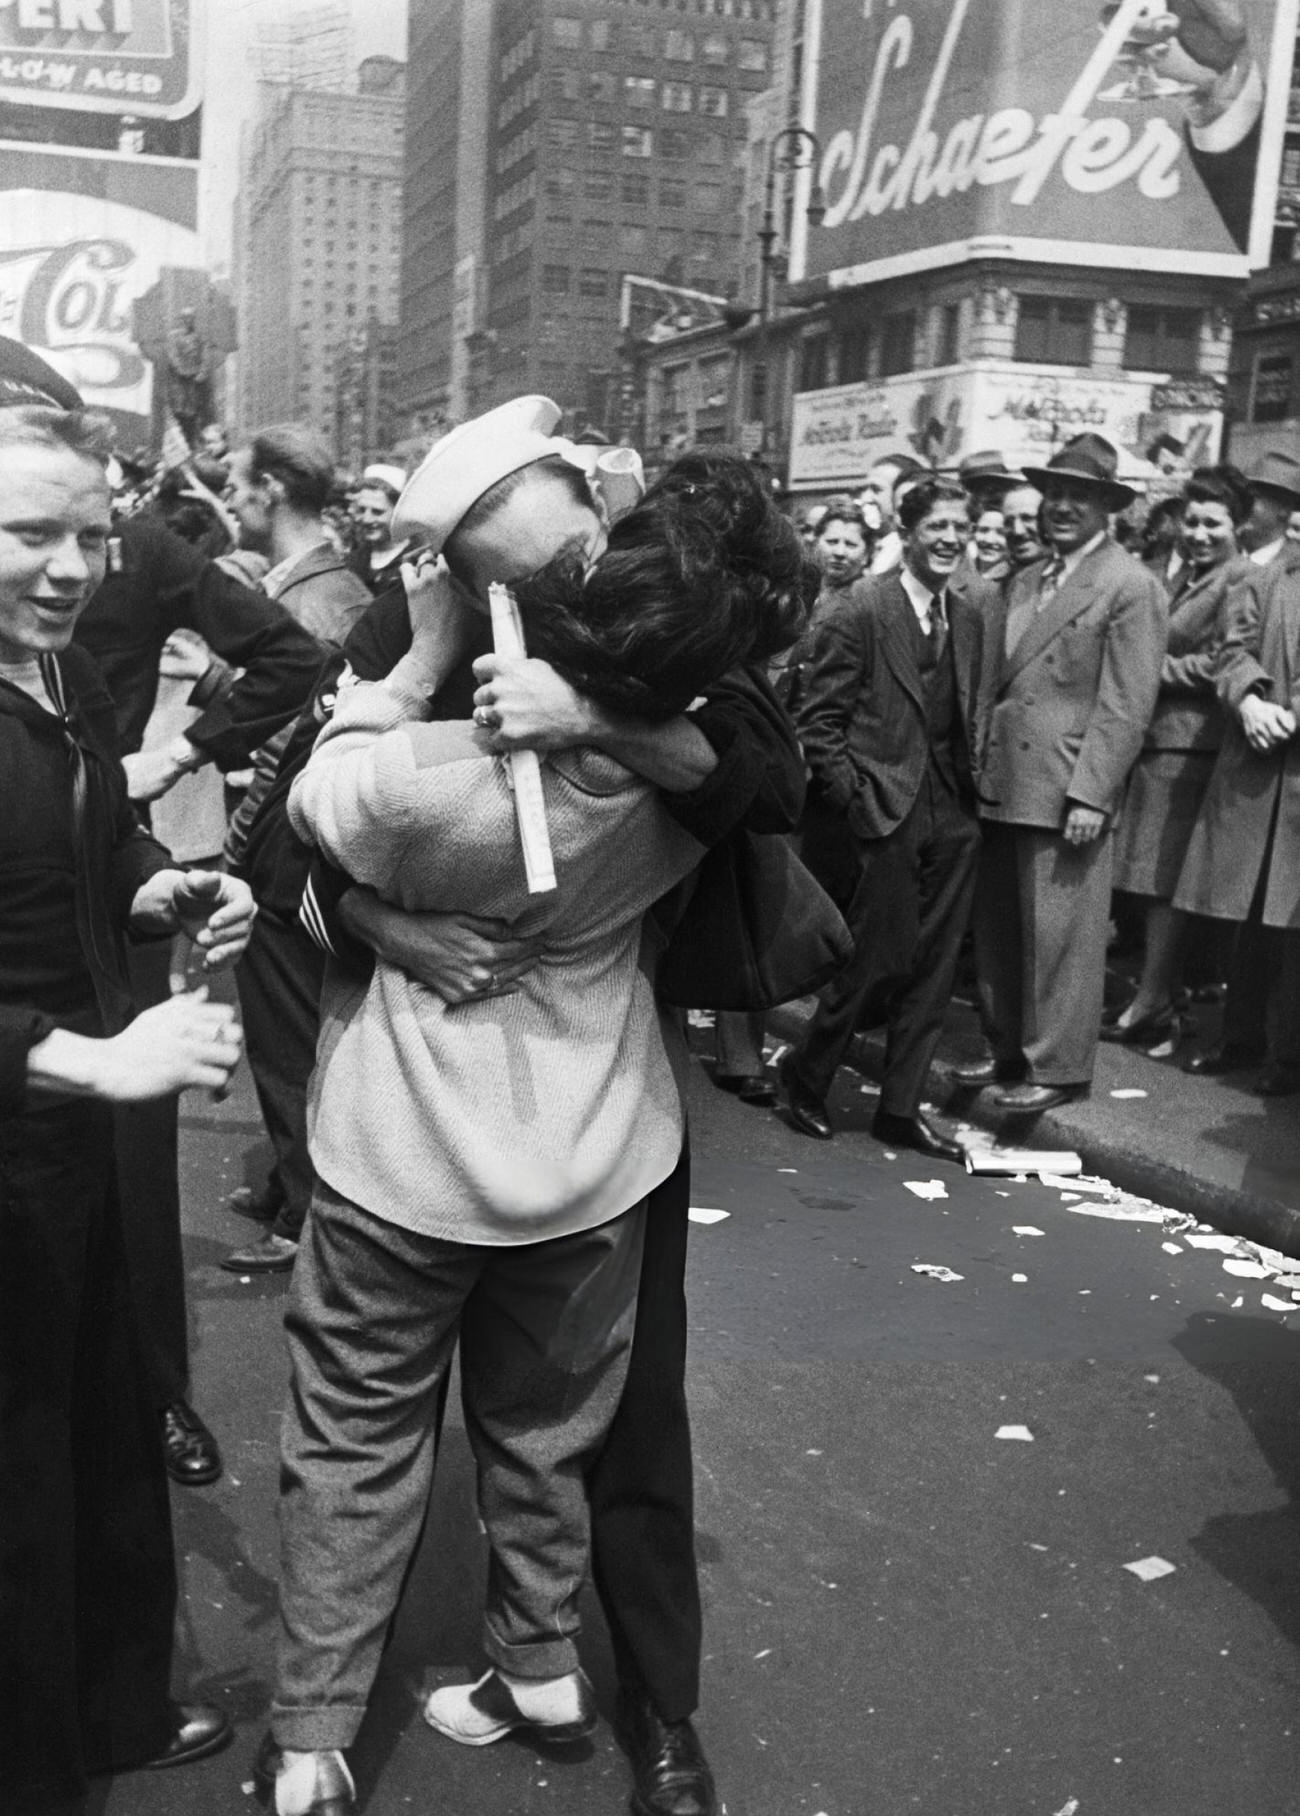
524,766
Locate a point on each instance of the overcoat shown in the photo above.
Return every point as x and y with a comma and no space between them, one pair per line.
1260,654
1072,701
1188,715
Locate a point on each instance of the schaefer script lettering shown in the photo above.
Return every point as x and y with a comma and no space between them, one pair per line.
863,177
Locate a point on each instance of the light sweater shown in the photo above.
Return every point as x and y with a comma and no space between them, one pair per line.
516,1118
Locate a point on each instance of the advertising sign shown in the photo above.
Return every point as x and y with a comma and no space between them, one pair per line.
1142,134
71,269
1024,411
105,56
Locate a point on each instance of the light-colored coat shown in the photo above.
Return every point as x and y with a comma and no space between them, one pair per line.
1188,715
1260,654
1072,702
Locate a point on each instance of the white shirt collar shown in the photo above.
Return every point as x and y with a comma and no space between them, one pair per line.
920,595
1269,552
889,552
1071,561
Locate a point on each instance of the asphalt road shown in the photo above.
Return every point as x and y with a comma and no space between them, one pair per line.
905,1612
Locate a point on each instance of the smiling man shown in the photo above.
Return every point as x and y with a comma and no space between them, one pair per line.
892,731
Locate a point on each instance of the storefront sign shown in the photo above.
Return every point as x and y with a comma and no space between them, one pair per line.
1067,130
103,56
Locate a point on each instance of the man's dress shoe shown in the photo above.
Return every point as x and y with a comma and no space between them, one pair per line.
749,1087
201,1729
270,1254
1032,1100
807,1111
191,1451
916,1133
982,1072
1277,1081
670,1773
1228,1056
334,1794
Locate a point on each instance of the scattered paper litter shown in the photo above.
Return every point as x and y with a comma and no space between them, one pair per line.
1020,1279
1172,1248
1291,1282
1082,1182
699,1018
1069,1809
1198,1239
1025,1229
1126,1211
926,1188
1069,1198
1128,1091
1015,1434
1237,1304
1272,1303
934,1272
1246,1270
707,1213
1149,1568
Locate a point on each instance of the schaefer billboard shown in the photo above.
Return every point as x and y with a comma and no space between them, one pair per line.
106,56
1144,135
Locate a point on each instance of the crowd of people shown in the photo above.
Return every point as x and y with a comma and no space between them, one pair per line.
966,709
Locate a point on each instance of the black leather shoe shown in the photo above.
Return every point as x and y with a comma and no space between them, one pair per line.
334,1794
1228,1056
983,1072
749,1087
201,1729
270,1254
1032,1100
671,1775
1277,1081
915,1132
807,1112
260,1206
193,1459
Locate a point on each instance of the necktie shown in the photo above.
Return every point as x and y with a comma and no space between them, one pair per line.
1049,582
937,635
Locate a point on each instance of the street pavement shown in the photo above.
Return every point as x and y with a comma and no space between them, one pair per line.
906,1613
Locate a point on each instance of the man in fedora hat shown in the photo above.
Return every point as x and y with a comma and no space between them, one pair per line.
1274,482
1082,638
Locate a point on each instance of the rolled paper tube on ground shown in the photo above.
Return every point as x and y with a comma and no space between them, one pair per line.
1007,1162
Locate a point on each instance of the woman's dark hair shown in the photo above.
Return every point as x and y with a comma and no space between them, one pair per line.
702,576
919,500
844,511
1226,485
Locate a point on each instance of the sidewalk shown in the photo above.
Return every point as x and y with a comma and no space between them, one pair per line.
1203,1145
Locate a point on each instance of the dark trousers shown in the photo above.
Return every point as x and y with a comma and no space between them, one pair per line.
641,1486
1263,1002
907,916
279,979
147,1139
87,1579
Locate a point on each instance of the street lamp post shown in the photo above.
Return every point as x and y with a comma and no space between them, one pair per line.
793,148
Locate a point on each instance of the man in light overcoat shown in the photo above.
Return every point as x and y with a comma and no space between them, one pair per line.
1077,656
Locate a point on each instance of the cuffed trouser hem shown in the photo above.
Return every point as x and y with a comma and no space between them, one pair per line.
317,1730
543,1659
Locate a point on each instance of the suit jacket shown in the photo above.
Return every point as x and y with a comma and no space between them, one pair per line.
1072,702
862,719
323,594
1188,715
1260,654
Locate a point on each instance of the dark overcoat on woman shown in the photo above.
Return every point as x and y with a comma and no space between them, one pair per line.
87,1580
1236,830
1170,778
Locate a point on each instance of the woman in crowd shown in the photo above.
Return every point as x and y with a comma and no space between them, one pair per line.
989,541
1171,775
87,1581
482,1169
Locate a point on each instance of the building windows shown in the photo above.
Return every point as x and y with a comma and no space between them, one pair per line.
566,85
715,382
555,280
674,145
633,239
813,363
638,142
635,188
566,33
753,54
601,34
642,41
593,282
1162,340
709,196
675,97
948,350
601,136
898,343
639,91
713,101
602,85
1055,330
561,131
710,149
715,48
855,355
598,185
672,192
1270,397
675,387
679,47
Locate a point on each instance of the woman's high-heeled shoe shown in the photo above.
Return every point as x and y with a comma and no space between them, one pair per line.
1156,1035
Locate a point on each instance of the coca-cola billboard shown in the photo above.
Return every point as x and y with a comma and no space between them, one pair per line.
72,268
1139,134
103,56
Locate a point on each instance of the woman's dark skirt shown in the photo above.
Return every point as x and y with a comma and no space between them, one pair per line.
1164,799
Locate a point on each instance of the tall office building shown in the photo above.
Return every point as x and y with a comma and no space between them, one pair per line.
304,45
320,232
613,145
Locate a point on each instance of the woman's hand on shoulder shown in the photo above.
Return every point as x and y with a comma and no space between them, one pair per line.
522,704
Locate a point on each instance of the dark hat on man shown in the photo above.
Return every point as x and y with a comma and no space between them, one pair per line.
26,380
1276,472
1088,457
986,468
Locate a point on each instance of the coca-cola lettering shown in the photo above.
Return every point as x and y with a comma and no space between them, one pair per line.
861,177
73,301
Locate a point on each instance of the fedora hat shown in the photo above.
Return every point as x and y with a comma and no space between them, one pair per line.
469,460
1276,472
27,379
986,467
1089,457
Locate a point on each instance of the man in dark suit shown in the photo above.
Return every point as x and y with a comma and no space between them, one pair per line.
892,729
1082,638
